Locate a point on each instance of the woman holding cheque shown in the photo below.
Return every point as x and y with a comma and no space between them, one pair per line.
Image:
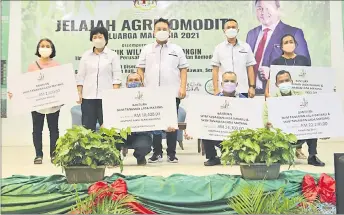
46,52
99,70
290,58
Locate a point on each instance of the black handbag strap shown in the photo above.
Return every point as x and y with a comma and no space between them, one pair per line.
38,65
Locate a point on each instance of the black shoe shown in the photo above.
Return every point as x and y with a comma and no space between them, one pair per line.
155,158
212,162
172,159
38,160
142,162
315,161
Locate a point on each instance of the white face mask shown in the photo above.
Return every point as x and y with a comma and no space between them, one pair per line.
45,52
162,35
98,43
231,33
285,87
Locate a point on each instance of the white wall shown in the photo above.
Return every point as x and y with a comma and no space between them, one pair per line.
16,130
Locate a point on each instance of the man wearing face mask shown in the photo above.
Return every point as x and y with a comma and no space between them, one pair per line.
264,40
229,85
141,142
163,63
284,84
234,55
99,70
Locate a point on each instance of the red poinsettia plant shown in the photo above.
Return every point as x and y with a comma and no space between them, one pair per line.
110,199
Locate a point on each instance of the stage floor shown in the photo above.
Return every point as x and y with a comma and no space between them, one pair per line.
18,160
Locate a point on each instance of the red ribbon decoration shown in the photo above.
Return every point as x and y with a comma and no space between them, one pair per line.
116,190
326,188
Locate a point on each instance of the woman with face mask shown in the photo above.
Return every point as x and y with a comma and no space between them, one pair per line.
99,70
46,52
290,58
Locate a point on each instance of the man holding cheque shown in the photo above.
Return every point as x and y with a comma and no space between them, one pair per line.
284,84
228,85
141,142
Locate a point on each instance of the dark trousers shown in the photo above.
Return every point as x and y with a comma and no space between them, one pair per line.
209,148
92,112
312,146
171,138
141,143
53,125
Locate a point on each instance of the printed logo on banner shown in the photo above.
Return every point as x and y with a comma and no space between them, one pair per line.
40,77
209,88
225,105
145,5
193,86
302,73
139,96
304,103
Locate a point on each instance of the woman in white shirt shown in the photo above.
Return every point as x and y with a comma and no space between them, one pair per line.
99,70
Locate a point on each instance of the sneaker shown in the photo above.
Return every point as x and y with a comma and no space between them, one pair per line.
315,161
155,158
142,162
172,159
38,160
212,162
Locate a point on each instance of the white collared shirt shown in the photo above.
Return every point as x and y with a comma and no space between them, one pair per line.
162,64
259,84
98,72
236,59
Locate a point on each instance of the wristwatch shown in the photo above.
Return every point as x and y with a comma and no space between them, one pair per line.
253,86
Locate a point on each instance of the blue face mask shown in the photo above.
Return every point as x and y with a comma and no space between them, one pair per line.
134,84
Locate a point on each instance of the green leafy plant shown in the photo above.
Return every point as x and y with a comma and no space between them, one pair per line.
82,147
252,199
107,205
258,146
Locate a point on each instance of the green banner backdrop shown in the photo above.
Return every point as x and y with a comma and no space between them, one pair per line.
196,27
5,20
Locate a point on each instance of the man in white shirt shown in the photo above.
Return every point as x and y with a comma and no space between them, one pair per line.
163,63
236,56
265,40
99,70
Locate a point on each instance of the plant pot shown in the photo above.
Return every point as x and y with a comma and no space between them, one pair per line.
260,171
84,174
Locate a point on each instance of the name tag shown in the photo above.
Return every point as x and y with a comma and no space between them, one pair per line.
173,55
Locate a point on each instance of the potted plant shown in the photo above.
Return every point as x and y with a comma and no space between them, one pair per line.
84,154
259,152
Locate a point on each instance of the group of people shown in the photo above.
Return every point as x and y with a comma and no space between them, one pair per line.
163,63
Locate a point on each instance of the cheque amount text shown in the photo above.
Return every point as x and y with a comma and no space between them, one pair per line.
49,92
150,114
314,124
230,127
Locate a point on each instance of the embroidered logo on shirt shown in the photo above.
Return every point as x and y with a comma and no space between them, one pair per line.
173,53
